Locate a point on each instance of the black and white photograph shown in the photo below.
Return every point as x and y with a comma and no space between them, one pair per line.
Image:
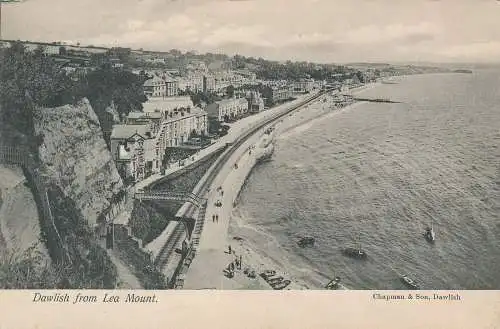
250,145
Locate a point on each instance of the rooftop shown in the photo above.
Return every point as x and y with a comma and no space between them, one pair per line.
193,112
231,100
153,81
162,104
127,131
140,115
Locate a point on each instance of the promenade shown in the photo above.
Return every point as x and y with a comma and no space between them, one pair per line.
206,270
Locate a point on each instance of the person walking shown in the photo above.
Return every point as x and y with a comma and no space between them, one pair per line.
217,218
213,218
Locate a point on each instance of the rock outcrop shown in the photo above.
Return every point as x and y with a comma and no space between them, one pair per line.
19,223
75,157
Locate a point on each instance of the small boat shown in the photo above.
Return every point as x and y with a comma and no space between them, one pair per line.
267,274
282,285
357,253
307,241
333,284
354,253
429,234
410,282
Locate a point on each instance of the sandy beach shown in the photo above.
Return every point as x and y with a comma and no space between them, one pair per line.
213,257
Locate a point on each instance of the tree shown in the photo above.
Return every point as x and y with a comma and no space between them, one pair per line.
30,79
360,76
230,91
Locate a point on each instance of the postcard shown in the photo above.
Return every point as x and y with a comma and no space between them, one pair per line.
249,164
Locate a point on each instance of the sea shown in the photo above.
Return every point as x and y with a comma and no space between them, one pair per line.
376,175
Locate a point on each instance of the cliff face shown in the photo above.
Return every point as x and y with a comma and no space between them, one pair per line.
75,157
19,223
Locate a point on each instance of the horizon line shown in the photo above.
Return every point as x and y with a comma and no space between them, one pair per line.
197,52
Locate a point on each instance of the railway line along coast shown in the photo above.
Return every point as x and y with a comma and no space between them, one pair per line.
188,234
175,248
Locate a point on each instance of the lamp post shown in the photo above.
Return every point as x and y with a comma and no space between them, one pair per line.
1,3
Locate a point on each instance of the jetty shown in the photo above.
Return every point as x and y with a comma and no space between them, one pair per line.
375,100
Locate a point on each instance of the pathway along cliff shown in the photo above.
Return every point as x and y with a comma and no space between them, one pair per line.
206,184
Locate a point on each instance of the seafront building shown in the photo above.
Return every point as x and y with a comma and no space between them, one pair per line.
281,93
303,86
139,145
227,109
255,101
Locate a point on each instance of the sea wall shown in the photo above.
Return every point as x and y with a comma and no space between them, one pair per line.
263,149
75,157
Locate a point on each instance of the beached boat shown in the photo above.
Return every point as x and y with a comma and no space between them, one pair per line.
409,282
307,241
333,284
276,280
267,274
282,285
228,273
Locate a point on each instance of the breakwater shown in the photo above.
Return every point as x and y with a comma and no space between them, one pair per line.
375,100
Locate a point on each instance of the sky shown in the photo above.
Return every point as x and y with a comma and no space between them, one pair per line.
311,30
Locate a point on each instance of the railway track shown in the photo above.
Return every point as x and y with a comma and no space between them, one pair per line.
213,171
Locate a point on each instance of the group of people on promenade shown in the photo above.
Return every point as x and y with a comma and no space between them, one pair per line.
236,264
215,217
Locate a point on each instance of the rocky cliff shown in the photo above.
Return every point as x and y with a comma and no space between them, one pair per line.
75,157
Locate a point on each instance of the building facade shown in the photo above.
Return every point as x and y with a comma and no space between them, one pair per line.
281,93
227,109
209,83
138,147
161,87
171,87
255,101
155,87
303,86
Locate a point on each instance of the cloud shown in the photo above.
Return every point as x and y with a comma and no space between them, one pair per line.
373,34
251,35
481,50
322,30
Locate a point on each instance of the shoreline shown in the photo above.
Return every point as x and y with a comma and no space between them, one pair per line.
207,268
263,261
259,260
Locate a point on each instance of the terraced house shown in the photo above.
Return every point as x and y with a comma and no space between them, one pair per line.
227,109
138,147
